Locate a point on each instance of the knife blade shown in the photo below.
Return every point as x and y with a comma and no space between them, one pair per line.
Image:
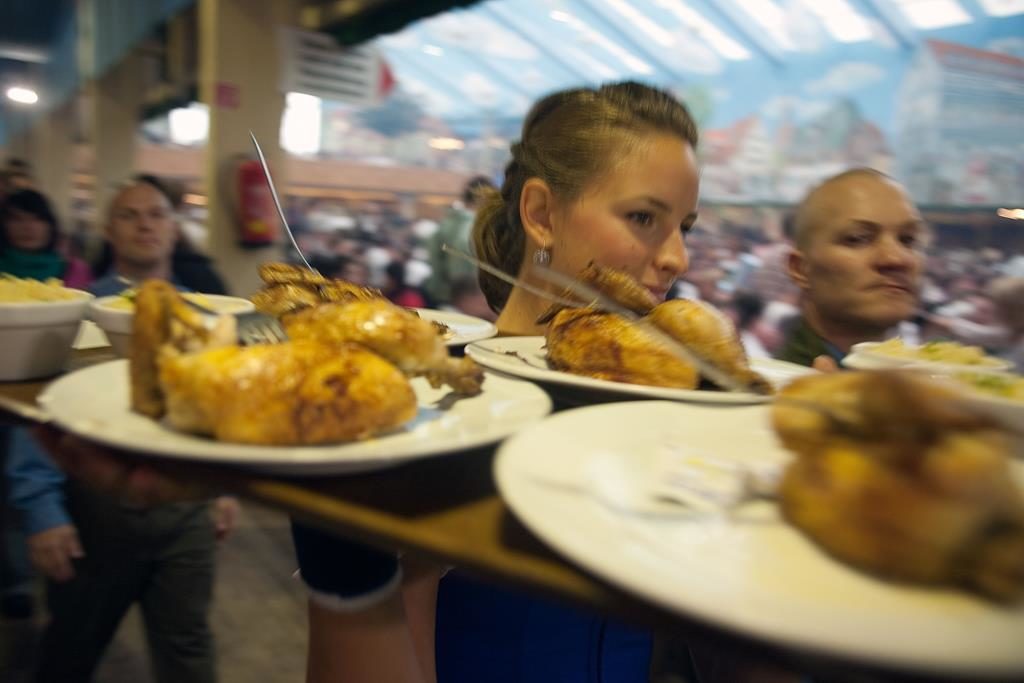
598,299
593,297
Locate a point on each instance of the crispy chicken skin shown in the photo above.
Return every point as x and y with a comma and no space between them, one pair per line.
394,333
606,346
299,392
919,490
288,274
291,288
610,282
188,368
282,299
710,333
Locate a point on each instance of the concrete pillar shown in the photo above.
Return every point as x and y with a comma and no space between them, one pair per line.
17,143
239,76
115,101
52,150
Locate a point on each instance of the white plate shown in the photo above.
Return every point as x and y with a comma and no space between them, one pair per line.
94,403
753,573
525,357
465,328
863,356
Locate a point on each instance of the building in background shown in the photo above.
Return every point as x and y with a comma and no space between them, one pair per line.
960,126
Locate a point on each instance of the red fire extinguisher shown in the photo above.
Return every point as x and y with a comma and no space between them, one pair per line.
258,222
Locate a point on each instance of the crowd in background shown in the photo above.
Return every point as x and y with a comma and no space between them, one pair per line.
736,267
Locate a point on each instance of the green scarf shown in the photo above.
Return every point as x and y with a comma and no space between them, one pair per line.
38,265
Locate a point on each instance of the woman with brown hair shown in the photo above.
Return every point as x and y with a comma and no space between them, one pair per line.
606,175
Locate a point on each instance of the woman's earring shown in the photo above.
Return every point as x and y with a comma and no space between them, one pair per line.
542,256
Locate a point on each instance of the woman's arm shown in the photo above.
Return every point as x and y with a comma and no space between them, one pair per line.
373,645
359,629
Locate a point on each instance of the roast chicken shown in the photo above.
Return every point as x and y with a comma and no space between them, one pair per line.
315,308
299,392
901,479
186,367
402,337
594,343
607,346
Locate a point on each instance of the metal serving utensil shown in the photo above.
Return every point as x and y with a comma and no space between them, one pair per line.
277,201
252,327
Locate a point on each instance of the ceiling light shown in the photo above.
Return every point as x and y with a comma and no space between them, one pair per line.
559,15
1013,214
929,14
447,144
643,22
1002,8
189,126
840,20
695,21
22,95
433,50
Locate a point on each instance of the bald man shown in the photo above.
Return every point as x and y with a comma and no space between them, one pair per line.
858,261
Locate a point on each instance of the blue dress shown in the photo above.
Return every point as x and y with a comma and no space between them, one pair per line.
486,633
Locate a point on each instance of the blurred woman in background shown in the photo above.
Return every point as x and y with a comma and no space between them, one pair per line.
30,239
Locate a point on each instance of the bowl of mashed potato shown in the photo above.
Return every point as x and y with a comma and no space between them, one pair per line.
38,324
115,314
999,395
944,357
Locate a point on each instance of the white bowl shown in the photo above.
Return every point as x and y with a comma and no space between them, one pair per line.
116,323
1008,412
36,336
863,356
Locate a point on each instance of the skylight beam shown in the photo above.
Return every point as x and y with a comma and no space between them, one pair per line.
627,58
651,55
736,22
1001,8
771,18
642,22
934,14
892,20
840,19
704,29
507,19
